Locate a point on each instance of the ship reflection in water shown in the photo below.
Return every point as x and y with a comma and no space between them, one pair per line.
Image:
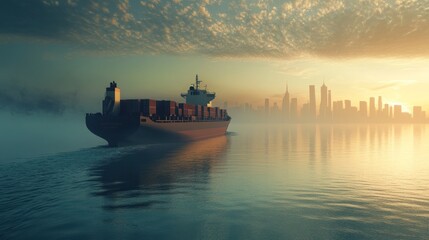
162,169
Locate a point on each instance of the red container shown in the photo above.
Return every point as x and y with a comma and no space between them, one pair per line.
217,114
187,109
205,112
148,107
198,111
212,112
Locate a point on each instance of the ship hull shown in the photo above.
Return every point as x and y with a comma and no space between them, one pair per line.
141,130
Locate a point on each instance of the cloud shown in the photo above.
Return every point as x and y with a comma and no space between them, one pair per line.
263,28
385,86
394,84
33,19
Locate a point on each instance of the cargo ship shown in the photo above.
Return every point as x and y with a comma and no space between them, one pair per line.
138,121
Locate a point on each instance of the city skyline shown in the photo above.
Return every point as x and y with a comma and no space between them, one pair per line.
335,111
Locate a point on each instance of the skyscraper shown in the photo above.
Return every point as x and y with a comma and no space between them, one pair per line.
397,112
312,106
348,110
275,109
323,102
380,106
363,110
329,110
386,111
337,112
286,104
294,108
372,108
418,114
267,106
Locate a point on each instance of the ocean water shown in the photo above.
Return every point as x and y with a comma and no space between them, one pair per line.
257,182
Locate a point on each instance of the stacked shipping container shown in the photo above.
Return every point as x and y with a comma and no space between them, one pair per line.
165,109
188,110
205,112
212,113
148,107
199,111
130,107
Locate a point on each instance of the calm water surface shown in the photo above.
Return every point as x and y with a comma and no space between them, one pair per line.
258,182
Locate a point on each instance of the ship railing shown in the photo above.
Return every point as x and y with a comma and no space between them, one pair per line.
184,121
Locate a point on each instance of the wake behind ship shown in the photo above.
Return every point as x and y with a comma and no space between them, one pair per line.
136,121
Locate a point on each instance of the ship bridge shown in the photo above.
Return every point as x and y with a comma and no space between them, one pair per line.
198,96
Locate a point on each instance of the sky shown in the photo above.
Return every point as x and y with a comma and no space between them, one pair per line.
59,55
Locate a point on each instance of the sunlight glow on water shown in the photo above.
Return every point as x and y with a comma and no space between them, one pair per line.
258,182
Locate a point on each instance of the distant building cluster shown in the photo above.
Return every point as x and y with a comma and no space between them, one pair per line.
329,111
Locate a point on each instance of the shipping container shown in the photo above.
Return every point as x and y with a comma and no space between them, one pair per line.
130,107
191,109
148,107
212,113
205,112
198,111
217,114
179,112
187,109
165,108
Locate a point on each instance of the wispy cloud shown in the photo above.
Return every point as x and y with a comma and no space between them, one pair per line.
263,28
394,84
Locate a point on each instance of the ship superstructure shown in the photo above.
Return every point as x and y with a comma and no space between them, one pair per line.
130,121
112,100
198,96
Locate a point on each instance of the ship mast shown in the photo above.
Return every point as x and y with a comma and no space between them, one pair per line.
197,82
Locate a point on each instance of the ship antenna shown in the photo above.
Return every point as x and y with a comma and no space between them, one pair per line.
197,82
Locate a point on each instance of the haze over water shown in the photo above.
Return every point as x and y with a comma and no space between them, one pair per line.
257,182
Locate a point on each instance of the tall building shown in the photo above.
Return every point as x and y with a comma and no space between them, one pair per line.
275,109
372,108
397,112
312,105
305,112
380,106
418,115
363,109
386,111
323,111
329,110
348,115
294,108
267,106
337,112
347,105
391,112
286,104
